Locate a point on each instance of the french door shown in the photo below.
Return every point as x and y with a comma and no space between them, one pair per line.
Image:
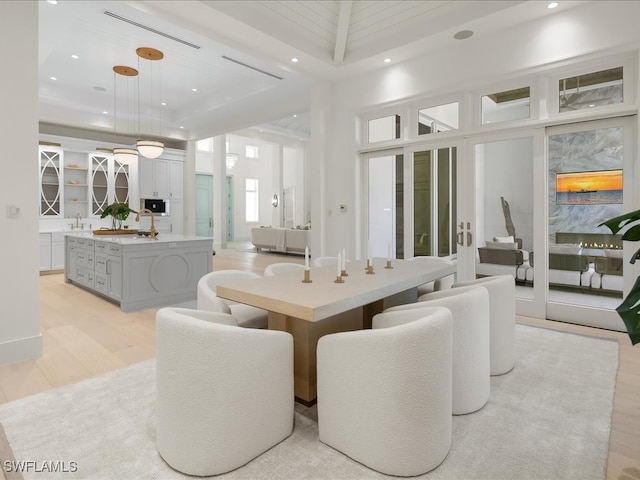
590,179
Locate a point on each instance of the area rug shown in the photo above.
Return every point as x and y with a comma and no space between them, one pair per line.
549,418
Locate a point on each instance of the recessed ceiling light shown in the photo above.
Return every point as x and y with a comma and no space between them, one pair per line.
75,57
52,2
295,116
592,105
552,5
164,104
105,112
194,89
53,78
181,126
463,34
387,60
294,60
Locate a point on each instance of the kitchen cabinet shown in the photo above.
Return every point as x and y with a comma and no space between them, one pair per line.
45,252
50,181
160,178
109,182
138,272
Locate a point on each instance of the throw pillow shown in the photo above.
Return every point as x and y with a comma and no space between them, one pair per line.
508,239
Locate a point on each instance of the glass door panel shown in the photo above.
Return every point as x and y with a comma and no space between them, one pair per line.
504,211
385,205
434,202
590,174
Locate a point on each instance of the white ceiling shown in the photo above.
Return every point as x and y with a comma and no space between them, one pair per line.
332,40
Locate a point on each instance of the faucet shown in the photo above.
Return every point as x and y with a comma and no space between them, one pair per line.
78,218
152,229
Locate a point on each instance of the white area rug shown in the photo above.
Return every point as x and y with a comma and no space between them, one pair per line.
549,418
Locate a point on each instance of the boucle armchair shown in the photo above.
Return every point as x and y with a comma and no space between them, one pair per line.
207,299
384,395
224,393
469,308
502,311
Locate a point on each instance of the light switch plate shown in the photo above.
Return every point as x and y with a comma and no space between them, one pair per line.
13,211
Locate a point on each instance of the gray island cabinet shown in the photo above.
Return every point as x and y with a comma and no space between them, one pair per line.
137,272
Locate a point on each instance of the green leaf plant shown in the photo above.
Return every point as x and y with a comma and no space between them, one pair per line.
629,309
119,212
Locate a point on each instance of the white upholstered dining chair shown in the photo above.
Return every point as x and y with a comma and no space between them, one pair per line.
502,311
224,394
207,299
283,267
443,283
391,408
469,308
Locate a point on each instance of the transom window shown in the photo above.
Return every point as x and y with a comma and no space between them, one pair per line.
251,151
591,90
252,207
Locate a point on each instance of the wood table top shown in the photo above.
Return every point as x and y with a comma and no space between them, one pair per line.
287,294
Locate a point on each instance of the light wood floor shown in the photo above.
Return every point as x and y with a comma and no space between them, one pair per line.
85,336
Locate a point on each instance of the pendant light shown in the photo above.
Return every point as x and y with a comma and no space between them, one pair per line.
149,148
125,156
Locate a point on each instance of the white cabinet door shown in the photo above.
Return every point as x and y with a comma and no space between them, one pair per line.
57,251
161,178
114,272
176,216
175,180
45,252
145,174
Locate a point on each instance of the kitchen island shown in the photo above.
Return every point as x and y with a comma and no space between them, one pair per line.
138,272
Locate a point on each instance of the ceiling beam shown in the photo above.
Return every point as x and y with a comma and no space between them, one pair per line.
344,18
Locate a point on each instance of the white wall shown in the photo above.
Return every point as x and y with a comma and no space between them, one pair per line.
590,28
19,285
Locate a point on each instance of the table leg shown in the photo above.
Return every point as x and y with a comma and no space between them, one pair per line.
305,340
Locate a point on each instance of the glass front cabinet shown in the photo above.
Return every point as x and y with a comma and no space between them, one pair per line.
80,183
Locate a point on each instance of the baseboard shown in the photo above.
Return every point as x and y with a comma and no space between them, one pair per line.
21,350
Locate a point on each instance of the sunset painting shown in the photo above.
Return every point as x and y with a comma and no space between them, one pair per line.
589,188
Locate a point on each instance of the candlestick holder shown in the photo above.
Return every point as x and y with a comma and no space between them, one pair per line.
307,276
344,273
369,269
338,280
388,265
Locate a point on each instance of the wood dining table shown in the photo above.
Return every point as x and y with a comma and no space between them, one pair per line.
310,310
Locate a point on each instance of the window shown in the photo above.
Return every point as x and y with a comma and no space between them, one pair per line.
251,199
384,128
590,90
438,119
205,145
506,106
251,151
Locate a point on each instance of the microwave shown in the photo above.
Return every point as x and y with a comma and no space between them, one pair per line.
158,206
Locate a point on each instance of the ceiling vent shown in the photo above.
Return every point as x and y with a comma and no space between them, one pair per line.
252,68
149,29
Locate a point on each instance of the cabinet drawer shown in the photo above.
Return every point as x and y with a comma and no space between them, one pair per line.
88,244
101,264
101,247
114,249
90,260
101,284
89,282
81,258
81,275
72,241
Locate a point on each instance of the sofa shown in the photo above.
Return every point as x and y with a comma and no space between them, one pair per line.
285,240
503,256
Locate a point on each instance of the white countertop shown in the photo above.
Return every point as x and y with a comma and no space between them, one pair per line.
136,240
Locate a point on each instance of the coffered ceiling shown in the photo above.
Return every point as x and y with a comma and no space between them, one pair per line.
227,64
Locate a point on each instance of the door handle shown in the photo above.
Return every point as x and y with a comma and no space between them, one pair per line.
210,223
459,239
108,267
469,239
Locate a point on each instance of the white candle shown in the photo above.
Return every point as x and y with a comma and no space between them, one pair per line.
306,258
339,265
344,260
369,251
389,251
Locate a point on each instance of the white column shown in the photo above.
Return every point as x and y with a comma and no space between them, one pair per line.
219,190
19,283
189,188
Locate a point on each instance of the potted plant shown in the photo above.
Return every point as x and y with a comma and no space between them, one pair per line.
629,309
118,212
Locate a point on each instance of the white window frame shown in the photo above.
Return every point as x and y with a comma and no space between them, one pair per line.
252,197
251,151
